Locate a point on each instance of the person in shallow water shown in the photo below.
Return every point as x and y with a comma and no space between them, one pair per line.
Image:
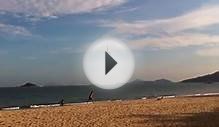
61,102
90,97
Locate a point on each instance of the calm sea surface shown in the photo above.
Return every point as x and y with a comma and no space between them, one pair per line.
18,96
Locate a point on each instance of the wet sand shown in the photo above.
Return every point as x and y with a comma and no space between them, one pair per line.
180,112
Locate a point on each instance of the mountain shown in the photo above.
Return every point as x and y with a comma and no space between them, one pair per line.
163,81
142,82
210,78
28,84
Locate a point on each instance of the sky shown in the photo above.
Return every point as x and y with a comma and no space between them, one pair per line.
43,41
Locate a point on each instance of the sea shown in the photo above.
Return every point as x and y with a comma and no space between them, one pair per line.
25,96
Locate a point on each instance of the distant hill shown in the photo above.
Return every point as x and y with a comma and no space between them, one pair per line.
163,81
210,78
142,82
28,84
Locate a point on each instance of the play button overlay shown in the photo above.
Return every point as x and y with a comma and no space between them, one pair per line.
108,63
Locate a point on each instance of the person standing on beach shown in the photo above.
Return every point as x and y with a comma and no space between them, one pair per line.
61,102
90,97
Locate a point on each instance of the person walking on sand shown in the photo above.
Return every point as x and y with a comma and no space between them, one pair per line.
90,97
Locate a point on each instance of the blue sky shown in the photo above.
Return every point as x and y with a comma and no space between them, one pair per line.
44,41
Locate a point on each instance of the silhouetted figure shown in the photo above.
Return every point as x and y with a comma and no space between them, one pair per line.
61,102
90,98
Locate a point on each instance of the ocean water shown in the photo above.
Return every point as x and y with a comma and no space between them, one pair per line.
17,96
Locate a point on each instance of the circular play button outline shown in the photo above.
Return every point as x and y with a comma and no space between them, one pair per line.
108,63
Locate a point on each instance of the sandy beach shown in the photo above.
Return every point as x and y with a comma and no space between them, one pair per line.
180,112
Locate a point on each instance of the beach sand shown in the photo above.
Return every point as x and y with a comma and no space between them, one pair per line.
180,112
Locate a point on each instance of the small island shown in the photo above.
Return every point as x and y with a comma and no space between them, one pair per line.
28,84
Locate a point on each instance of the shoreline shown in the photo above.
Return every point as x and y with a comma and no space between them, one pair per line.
189,111
36,106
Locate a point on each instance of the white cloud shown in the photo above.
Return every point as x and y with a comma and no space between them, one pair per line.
177,40
47,8
213,51
171,32
15,30
126,10
196,19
